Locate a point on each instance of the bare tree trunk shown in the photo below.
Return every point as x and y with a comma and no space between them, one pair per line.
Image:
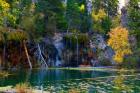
40,53
27,55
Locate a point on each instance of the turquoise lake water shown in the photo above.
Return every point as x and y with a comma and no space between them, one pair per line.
78,80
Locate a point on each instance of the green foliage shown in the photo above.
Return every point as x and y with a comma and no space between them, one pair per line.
73,14
14,13
102,14
3,34
17,36
101,22
106,25
4,74
11,11
37,20
82,39
4,9
115,21
110,6
134,18
131,62
76,15
105,62
53,12
11,18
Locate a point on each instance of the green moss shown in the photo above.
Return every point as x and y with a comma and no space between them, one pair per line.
16,36
82,39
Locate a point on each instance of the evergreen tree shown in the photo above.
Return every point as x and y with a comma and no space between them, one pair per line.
110,6
134,18
76,14
109,10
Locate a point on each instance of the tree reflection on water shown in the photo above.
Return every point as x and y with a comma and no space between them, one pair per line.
119,82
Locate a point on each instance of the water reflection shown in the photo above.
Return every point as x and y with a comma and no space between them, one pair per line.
61,81
119,82
42,76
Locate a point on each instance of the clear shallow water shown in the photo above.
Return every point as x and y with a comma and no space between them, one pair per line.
79,81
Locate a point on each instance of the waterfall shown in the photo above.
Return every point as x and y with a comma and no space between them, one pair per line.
77,50
40,58
44,64
59,46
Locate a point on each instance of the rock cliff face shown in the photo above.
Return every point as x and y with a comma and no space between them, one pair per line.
105,53
94,53
57,42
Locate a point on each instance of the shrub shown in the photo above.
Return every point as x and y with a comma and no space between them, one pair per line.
23,88
4,74
131,62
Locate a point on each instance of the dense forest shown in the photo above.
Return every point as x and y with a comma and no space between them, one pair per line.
69,33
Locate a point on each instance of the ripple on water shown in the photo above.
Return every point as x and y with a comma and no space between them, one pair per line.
92,85
99,86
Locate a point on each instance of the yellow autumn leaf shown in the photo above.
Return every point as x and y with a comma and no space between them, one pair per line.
119,42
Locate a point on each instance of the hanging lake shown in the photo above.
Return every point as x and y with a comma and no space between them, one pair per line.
79,80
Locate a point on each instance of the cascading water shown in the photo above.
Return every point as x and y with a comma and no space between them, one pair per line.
77,50
38,54
59,46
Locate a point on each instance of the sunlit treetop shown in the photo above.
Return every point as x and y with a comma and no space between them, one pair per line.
99,15
82,7
32,7
4,5
100,21
4,8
